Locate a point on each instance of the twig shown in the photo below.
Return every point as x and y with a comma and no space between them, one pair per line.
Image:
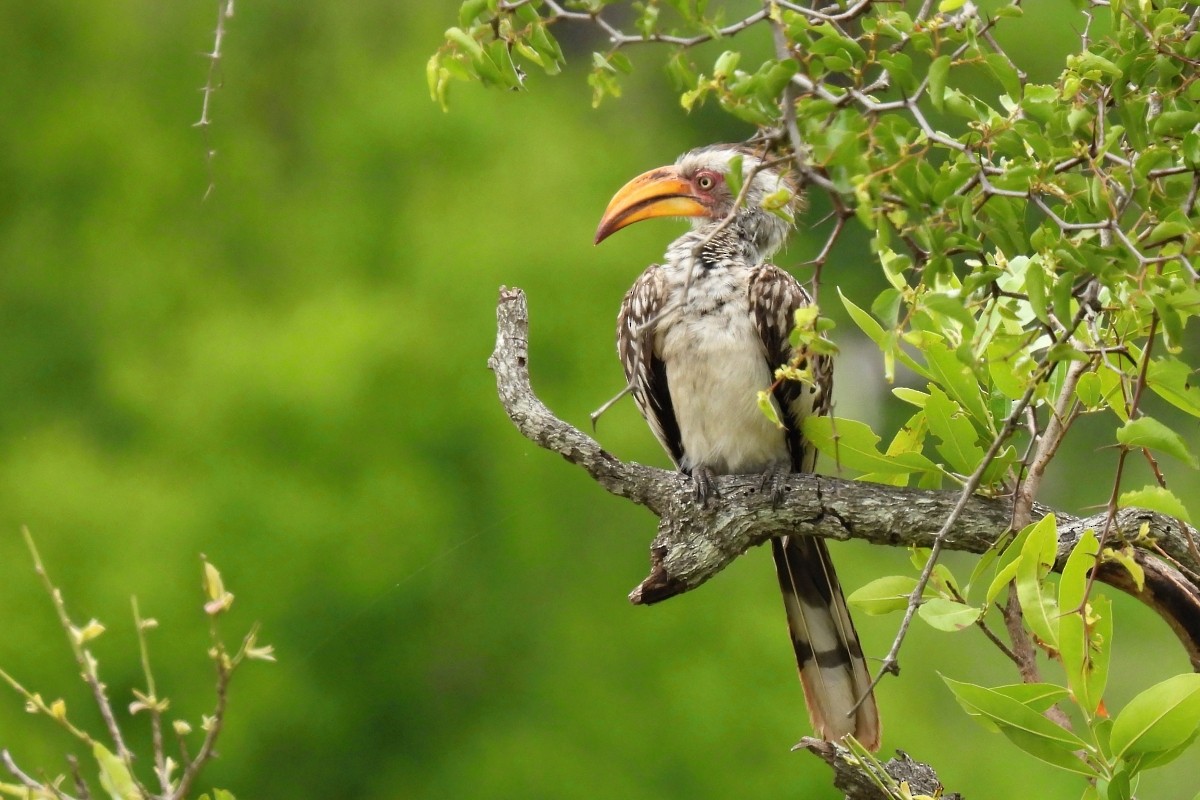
29,781
224,13
152,702
83,657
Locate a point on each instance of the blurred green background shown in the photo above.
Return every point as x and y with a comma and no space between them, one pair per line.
290,378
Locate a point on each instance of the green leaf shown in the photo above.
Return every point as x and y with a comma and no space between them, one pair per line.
948,615
1089,390
956,378
766,404
1037,557
938,70
1078,639
114,775
855,446
1155,498
1158,719
950,424
981,567
1024,726
1171,379
1170,123
884,595
1149,432
864,321
1009,368
1038,696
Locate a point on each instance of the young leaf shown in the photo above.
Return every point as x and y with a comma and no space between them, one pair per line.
1037,556
1149,432
854,445
950,424
956,378
1158,719
1155,498
1076,629
114,775
1038,696
766,405
884,595
938,71
1172,380
948,615
1024,726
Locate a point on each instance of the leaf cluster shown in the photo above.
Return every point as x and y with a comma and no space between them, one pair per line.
1074,629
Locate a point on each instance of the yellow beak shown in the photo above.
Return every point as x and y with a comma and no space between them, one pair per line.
661,192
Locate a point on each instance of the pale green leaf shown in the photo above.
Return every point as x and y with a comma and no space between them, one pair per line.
1037,556
1149,432
854,445
1160,718
1024,726
1076,626
114,775
949,423
1155,498
948,615
884,595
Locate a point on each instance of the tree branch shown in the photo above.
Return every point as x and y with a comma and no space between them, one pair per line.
695,542
865,780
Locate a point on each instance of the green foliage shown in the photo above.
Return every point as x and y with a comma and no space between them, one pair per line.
1038,238
1152,730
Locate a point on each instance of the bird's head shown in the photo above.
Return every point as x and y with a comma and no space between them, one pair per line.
697,186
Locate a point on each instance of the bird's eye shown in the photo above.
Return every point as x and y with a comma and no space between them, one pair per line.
706,181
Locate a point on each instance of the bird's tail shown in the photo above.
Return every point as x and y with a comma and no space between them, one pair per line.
832,669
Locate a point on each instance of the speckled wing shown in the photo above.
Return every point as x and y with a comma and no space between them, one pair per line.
774,298
645,371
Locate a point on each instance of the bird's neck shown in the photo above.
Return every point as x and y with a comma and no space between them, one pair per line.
751,238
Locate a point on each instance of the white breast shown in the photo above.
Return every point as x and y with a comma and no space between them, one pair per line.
716,365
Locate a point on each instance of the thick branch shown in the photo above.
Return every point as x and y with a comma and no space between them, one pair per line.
695,541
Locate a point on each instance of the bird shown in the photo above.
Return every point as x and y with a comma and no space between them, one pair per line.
698,337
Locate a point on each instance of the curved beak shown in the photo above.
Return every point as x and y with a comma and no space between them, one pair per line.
661,192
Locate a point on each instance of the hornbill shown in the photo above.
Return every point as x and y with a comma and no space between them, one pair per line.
699,336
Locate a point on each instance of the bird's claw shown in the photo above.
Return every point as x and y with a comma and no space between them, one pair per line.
704,485
772,481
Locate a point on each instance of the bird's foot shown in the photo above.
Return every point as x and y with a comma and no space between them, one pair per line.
772,481
704,485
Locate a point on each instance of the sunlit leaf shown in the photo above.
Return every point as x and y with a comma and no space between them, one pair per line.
1155,498
854,445
948,615
884,595
1159,718
1037,556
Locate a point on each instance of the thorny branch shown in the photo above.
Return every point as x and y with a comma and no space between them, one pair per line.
224,13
